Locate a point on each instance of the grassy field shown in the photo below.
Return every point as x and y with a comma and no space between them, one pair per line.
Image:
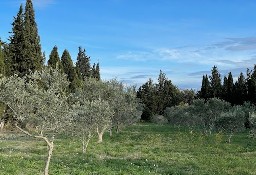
140,149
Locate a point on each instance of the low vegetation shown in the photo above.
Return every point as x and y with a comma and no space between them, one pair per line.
139,149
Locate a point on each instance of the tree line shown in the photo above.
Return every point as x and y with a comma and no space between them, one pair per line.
235,92
156,97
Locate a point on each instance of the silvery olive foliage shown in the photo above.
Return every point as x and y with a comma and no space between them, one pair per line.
40,103
90,117
126,106
103,105
39,99
92,110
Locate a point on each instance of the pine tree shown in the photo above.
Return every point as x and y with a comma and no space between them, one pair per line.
83,64
32,49
69,69
16,55
54,59
215,83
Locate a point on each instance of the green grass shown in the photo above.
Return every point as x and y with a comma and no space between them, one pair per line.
140,149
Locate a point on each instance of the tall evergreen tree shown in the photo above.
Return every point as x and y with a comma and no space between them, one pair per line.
215,83
205,88
225,89
95,71
69,69
230,85
160,92
83,64
228,88
167,94
33,58
2,63
54,59
240,92
156,97
7,58
16,55
251,85
147,94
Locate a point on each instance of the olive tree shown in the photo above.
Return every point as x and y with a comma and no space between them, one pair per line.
208,112
90,117
93,111
252,119
126,106
231,121
123,100
39,104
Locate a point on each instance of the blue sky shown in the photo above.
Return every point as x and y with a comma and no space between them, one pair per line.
134,39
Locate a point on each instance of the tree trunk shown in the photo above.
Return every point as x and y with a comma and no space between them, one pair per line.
117,128
85,144
100,134
110,132
50,149
1,126
229,138
49,145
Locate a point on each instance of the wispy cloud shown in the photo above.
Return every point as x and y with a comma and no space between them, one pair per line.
190,55
238,44
228,55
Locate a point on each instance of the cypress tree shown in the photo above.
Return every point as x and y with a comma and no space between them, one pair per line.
95,71
215,83
16,56
54,59
83,64
205,88
32,51
160,92
225,89
251,84
2,64
7,58
230,88
69,69
240,91
147,94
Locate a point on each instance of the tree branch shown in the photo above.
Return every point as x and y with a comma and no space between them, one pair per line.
22,130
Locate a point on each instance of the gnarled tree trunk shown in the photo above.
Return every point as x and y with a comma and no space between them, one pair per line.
100,134
49,145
